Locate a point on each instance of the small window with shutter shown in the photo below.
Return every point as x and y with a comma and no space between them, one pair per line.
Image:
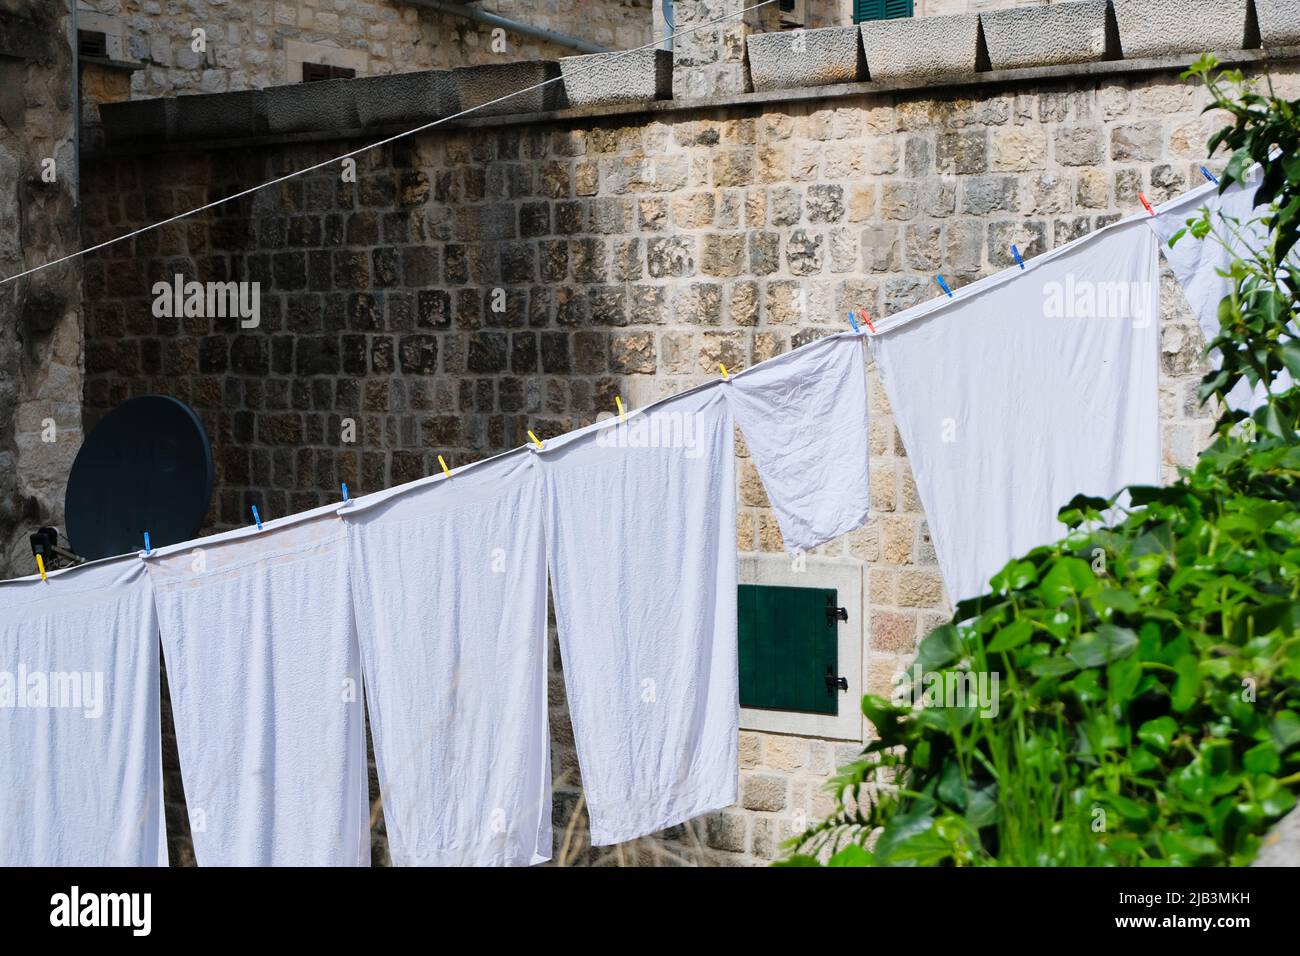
789,648
93,44
865,10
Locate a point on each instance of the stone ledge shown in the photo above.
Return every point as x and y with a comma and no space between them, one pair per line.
157,111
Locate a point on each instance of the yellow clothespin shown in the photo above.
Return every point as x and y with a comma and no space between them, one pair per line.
536,441
445,470
725,376
622,415
40,566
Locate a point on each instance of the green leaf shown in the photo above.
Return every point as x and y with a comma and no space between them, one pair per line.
939,648
1286,730
1068,577
1187,684
1261,758
851,855
1158,734
1013,635
1108,643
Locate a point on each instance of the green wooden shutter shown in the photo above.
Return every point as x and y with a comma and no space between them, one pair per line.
864,10
787,643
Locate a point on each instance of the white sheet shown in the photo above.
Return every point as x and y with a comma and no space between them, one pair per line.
449,577
1198,263
1020,394
804,417
265,681
79,719
641,535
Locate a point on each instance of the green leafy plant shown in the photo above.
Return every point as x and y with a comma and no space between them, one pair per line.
1148,702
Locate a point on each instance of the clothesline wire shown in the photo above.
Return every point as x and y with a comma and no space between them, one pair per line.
376,145
939,303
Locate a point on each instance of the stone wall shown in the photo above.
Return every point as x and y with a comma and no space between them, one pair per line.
40,320
253,44
634,253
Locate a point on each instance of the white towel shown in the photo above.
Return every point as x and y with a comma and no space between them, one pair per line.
265,681
79,725
450,584
1198,263
1029,388
804,417
641,534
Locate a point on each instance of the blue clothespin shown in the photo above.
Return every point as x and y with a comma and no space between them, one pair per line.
1209,175
257,518
345,492
148,549
943,285
853,322
1016,252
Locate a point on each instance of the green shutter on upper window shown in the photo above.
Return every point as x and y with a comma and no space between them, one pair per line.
788,643
865,10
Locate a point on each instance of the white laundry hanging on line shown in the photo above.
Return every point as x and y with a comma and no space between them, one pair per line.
804,417
1198,264
79,719
1031,387
449,577
641,537
265,681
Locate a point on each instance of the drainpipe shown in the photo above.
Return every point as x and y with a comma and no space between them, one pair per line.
492,19
76,103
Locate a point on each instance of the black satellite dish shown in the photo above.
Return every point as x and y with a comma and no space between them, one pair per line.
147,466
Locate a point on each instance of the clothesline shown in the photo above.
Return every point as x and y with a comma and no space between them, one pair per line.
882,326
270,632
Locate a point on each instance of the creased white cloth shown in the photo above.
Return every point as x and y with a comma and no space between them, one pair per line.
1199,264
1031,387
804,417
79,719
265,680
641,535
449,577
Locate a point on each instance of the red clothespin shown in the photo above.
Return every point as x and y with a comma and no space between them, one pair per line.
867,319
1143,197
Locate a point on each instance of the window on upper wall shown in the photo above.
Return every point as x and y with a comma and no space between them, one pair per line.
864,10
92,43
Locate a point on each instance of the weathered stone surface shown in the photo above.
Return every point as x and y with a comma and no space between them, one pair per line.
795,58
138,120
921,47
1279,22
604,78
404,98
1281,847
477,86
324,104
1162,27
762,791
1052,35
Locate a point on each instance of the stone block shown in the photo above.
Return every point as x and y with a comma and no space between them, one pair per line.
1279,22
138,120
1046,36
475,86
412,98
306,107
600,79
1149,28
781,61
219,116
923,48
